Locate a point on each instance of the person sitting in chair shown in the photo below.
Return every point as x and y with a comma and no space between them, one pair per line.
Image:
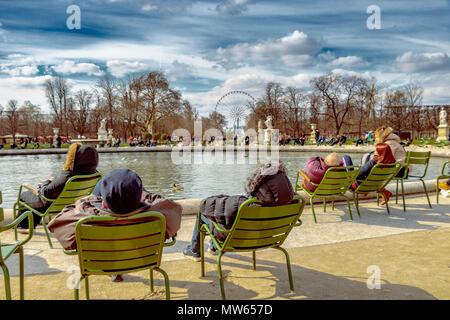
316,167
120,194
269,183
80,160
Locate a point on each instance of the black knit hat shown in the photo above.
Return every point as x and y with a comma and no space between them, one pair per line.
121,191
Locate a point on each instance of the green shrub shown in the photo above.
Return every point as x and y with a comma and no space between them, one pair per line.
156,136
147,136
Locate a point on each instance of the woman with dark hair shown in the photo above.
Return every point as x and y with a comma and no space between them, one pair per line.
383,154
80,160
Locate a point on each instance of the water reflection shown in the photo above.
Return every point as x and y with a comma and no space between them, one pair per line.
203,177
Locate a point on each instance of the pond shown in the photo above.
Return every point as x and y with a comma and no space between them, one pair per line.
159,172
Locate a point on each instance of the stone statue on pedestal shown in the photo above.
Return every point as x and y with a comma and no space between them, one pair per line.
102,134
443,129
268,130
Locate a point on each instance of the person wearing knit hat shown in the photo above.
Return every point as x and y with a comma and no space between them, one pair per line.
120,194
80,160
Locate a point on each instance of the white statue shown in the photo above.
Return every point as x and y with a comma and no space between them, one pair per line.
443,116
268,122
102,133
102,125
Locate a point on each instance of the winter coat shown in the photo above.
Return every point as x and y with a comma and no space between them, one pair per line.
315,170
63,224
269,183
387,136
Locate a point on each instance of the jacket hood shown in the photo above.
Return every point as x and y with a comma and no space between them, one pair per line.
382,134
270,184
81,158
121,192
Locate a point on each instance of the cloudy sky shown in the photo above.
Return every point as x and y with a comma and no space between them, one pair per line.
208,48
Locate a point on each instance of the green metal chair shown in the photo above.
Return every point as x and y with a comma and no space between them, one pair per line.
335,183
255,228
6,250
442,176
415,158
76,187
379,177
105,247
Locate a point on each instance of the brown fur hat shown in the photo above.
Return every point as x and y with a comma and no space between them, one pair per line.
71,156
382,133
262,172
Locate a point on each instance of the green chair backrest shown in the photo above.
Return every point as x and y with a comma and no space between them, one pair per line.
106,247
258,227
380,175
336,181
1,209
76,187
418,158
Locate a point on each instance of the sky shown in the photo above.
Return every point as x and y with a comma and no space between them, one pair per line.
209,48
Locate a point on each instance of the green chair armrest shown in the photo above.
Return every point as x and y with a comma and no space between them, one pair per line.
17,221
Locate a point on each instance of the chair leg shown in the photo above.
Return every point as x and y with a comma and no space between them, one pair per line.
21,273
288,263
324,204
254,259
7,283
46,232
219,271
86,287
76,289
166,282
396,192
387,208
378,198
356,201
403,195
437,191
349,208
332,203
426,193
202,252
152,289
312,208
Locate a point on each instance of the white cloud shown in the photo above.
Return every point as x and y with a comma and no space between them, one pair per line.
21,71
293,46
349,61
411,62
120,68
70,67
179,70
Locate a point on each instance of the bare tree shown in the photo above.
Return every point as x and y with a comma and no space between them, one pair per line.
79,111
12,117
57,93
108,89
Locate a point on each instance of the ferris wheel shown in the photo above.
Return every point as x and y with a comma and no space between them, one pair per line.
235,106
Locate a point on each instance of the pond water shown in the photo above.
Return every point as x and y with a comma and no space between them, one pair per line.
159,172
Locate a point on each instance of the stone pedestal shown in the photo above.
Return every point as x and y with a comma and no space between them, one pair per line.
55,137
267,136
312,137
443,132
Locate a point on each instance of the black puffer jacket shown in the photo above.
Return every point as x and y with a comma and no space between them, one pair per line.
269,183
81,160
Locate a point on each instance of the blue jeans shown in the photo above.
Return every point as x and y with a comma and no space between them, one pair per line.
195,242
